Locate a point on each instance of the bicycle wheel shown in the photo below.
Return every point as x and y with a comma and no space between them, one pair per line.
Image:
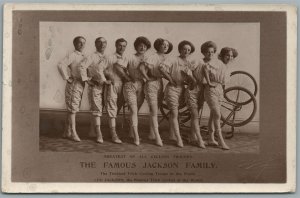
184,114
243,79
235,110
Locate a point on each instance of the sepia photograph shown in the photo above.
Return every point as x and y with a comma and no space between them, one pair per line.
192,99
145,113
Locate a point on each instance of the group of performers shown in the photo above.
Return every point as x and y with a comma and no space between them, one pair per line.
117,77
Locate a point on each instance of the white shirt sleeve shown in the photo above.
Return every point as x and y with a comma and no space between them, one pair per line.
63,66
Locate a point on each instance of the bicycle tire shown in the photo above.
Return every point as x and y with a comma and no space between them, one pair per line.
239,105
254,90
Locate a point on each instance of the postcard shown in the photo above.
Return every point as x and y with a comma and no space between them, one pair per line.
149,98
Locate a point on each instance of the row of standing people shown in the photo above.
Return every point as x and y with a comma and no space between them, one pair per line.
140,76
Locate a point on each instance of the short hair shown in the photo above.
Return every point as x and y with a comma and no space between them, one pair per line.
98,39
208,44
141,39
120,40
183,43
75,40
225,50
158,42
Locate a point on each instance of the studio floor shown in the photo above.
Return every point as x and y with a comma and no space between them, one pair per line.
245,139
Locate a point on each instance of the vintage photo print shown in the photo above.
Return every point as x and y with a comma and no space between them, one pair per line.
148,98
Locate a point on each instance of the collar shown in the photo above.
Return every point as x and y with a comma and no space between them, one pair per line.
215,63
161,55
99,54
118,55
140,57
78,52
186,60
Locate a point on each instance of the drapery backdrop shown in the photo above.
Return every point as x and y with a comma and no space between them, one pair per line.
56,41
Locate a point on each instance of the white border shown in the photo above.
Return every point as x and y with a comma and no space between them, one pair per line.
291,96
6,99
290,186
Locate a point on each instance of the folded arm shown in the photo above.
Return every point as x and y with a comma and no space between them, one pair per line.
144,70
190,80
166,75
63,67
83,69
206,76
122,72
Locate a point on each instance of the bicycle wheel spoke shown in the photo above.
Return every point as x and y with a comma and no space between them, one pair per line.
237,96
229,116
227,108
233,117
